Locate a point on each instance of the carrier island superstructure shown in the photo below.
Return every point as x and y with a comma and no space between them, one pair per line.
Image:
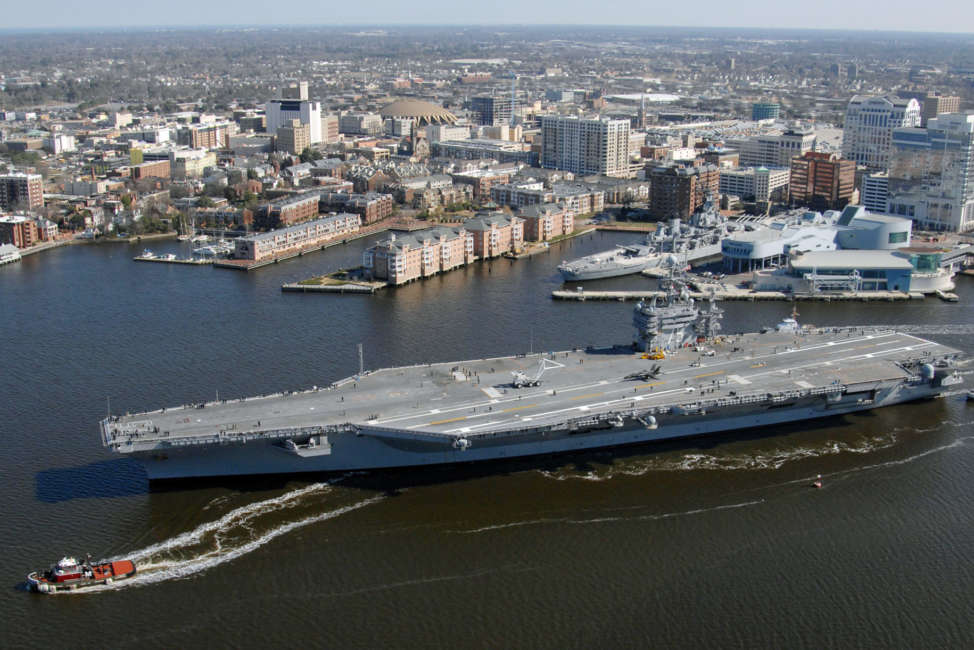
679,378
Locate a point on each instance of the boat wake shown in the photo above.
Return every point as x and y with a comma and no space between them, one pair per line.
759,460
236,533
614,518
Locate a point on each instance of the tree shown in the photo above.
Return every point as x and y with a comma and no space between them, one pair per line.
204,202
310,155
127,201
251,173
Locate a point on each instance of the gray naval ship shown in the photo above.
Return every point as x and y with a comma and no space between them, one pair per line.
673,244
681,377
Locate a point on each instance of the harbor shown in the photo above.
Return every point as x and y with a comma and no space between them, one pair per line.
409,535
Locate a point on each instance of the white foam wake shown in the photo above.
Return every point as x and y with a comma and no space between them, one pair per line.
222,540
236,517
601,520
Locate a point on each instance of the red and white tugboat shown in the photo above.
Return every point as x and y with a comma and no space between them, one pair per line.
70,575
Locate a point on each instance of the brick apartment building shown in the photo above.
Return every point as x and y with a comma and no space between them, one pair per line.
288,210
19,190
19,231
304,236
401,259
371,206
152,169
482,180
543,222
679,191
495,233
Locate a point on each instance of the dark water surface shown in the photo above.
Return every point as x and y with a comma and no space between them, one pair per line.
708,542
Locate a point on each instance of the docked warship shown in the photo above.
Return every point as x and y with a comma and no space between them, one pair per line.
673,244
680,377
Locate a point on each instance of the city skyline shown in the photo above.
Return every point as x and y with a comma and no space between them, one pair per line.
939,17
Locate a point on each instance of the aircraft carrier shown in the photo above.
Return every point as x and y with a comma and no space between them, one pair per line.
680,377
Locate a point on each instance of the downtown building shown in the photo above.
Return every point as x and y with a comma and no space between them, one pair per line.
934,104
21,191
867,134
759,184
585,146
822,181
294,105
492,111
931,174
773,150
677,192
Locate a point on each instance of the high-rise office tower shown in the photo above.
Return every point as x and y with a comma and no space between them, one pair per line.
931,174
294,105
867,134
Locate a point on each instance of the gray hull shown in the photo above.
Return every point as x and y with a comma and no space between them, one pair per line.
371,450
472,411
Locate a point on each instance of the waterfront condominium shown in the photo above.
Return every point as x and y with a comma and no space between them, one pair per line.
867,134
585,146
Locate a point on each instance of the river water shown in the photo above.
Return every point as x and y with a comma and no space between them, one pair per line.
708,542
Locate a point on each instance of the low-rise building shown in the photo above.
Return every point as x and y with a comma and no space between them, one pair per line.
283,241
545,222
371,206
47,230
401,259
288,210
18,230
191,163
153,169
482,180
495,233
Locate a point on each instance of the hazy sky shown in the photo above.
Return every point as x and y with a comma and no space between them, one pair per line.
930,15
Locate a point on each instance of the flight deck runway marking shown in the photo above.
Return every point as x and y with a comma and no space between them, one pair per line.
462,417
518,408
655,383
709,374
588,396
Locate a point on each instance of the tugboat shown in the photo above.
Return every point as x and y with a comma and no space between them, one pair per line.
70,575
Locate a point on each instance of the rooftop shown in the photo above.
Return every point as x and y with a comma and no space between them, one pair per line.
850,259
422,111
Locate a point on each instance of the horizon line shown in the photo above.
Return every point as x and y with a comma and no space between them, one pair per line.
400,25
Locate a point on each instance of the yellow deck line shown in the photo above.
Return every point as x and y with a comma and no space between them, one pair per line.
656,383
588,396
709,374
518,408
462,417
